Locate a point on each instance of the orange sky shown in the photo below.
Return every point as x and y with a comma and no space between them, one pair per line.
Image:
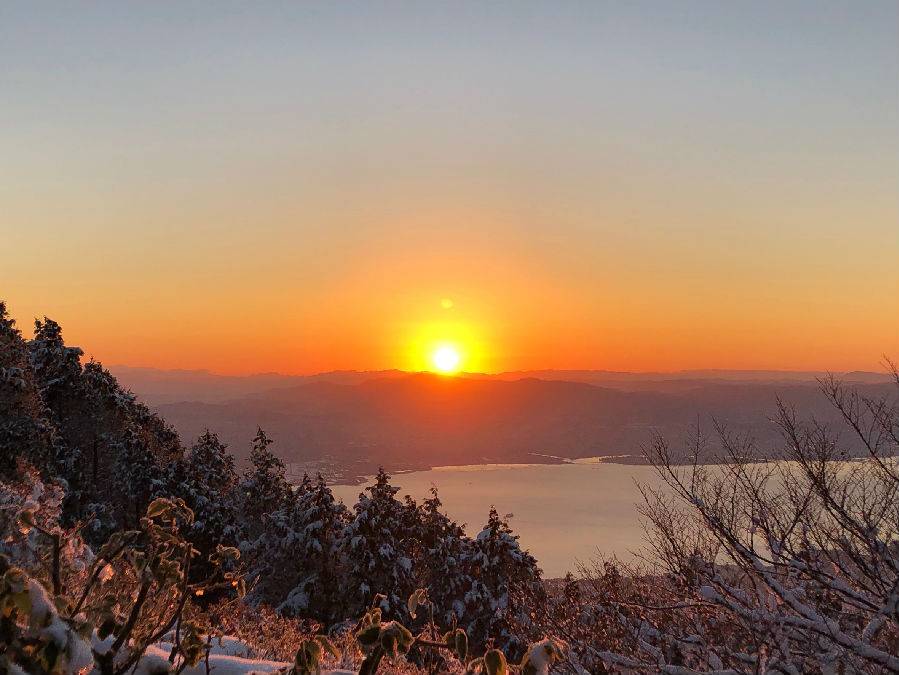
626,306
627,187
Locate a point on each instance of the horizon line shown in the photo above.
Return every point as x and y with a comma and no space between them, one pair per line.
377,371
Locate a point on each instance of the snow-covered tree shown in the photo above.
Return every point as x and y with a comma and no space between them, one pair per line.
126,414
68,610
275,556
264,488
296,564
441,561
764,566
206,480
378,551
506,587
209,459
138,475
128,451
56,369
25,428
92,416
105,422
56,366
325,522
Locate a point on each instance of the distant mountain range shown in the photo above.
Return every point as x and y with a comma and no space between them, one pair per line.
156,386
347,423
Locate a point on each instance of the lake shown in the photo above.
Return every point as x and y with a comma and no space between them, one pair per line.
563,513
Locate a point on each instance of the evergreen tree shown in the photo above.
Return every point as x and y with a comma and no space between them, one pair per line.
210,460
25,428
440,566
139,476
506,584
206,480
297,565
56,367
378,552
96,420
264,488
113,432
274,557
126,414
325,523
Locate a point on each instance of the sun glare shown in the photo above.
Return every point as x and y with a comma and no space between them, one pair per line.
446,359
445,347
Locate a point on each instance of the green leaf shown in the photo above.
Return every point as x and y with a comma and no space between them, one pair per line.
475,666
22,602
495,662
328,646
419,597
405,637
388,644
314,649
369,636
158,507
304,662
50,655
460,640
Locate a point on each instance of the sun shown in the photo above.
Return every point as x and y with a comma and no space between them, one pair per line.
445,347
446,359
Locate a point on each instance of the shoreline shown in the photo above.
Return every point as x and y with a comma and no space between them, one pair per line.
363,479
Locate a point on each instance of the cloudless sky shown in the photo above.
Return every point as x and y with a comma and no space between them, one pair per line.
296,187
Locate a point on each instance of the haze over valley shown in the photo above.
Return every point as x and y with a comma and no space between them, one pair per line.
347,424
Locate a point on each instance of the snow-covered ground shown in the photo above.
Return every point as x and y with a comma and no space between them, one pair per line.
156,661
227,657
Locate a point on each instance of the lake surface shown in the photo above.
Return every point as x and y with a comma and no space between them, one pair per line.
563,513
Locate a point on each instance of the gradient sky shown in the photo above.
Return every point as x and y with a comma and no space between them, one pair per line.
294,187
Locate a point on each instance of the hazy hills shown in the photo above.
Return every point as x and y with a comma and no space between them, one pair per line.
157,386
349,422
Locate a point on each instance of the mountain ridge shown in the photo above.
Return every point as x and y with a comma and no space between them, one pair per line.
425,420
157,386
